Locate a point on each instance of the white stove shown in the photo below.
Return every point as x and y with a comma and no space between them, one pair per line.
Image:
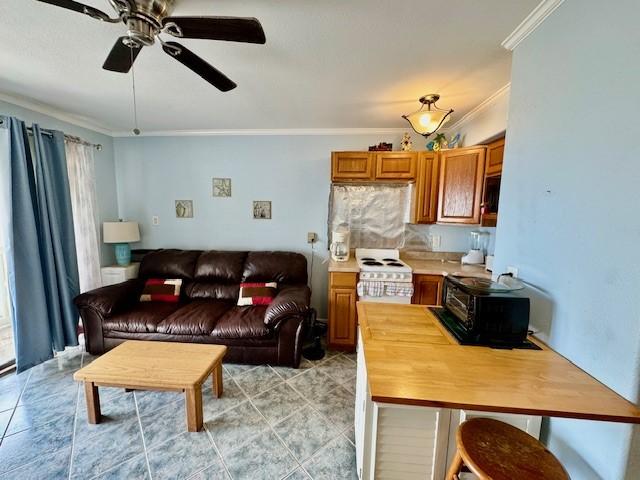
383,276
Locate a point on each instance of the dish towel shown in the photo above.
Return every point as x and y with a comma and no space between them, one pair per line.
372,288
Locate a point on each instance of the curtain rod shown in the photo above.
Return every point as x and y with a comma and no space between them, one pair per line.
69,138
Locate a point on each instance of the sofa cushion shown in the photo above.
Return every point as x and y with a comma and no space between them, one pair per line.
141,318
220,266
242,322
280,267
196,318
169,263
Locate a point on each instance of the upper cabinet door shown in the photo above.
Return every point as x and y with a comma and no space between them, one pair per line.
347,166
396,165
495,152
426,192
460,186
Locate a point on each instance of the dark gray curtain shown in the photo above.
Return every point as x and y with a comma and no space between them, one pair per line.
39,243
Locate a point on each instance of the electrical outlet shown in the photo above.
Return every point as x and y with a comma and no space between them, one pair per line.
155,220
435,241
513,271
312,237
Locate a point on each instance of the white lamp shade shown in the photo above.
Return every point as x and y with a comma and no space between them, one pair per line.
120,232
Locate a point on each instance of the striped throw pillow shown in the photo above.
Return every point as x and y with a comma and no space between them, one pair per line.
161,290
257,293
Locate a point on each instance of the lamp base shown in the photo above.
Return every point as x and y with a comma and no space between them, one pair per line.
123,254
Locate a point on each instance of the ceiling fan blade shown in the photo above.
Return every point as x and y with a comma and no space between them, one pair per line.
78,7
120,59
232,29
192,61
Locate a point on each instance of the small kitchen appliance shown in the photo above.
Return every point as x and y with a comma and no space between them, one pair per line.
478,311
339,247
478,243
384,278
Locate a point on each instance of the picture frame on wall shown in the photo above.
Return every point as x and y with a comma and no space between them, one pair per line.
184,208
262,209
221,187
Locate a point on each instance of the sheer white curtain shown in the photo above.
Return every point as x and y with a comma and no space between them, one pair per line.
82,183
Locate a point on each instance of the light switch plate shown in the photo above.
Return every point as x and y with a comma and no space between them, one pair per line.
155,220
436,241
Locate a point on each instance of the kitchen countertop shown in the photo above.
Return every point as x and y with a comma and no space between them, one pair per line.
411,359
420,267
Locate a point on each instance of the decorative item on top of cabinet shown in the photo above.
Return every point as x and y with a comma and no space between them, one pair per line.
426,191
495,154
427,289
350,166
396,165
460,185
342,311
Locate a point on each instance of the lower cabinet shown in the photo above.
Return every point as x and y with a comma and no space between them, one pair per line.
427,289
342,320
406,442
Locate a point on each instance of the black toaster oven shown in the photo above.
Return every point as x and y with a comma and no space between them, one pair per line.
478,311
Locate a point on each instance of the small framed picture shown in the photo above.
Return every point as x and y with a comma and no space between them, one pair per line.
262,209
184,208
221,187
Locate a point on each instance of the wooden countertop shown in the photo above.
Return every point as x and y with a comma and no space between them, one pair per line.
420,267
411,359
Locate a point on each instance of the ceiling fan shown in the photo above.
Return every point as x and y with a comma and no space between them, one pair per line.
147,19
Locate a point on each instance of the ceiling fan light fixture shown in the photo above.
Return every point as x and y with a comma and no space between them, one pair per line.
428,121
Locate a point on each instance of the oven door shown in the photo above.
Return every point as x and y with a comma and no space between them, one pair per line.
457,302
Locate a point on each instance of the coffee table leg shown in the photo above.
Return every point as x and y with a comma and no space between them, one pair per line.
93,402
194,408
217,381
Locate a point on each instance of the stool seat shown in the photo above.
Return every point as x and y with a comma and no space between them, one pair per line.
498,451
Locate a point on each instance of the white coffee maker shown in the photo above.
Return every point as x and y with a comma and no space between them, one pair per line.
340,248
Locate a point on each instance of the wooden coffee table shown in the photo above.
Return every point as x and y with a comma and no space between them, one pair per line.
138,365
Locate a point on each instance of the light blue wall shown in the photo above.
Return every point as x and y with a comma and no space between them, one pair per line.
291,171
104,163
568,208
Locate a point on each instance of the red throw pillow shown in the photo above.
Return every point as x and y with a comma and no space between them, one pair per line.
161,290
257,293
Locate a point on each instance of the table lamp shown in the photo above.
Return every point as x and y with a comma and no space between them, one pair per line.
121,233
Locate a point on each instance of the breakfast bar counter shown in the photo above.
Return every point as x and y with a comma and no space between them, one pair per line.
415,385
412,359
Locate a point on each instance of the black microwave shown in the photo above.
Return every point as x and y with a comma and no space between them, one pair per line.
477,312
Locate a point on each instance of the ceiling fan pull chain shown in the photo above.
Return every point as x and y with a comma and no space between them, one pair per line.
136,130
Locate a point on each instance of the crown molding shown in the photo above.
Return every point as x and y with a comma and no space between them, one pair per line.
264,132
474,112
55,113
529,24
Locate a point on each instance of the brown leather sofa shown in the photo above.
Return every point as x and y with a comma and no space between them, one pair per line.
207,310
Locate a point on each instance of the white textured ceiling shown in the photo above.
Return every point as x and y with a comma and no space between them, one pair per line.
326,64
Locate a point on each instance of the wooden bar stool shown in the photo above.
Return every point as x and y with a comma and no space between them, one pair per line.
494,450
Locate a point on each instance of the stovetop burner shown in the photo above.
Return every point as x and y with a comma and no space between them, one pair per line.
389,259
394,264
368,259
372,263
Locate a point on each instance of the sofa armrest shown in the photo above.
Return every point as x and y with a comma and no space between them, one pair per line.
290,301
112,298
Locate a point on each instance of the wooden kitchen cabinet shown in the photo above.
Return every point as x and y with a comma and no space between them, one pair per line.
427,289
396,165
495,154
352,166
426,190
460,185
342,322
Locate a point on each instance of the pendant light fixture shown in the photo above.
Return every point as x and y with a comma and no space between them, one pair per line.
429,120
